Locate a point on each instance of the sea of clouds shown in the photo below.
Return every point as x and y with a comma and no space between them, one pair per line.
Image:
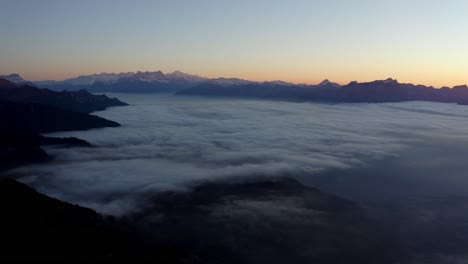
169,142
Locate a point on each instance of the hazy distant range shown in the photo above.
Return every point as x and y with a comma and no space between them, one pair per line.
180,83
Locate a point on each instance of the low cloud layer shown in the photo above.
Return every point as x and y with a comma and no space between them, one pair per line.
167,142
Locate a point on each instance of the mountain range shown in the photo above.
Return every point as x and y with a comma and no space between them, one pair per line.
135,82
142,82
388,90
379,91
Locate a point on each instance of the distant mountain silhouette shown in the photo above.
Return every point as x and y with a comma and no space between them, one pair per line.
79,101
380,91
140,82
326,82
15,78
133,82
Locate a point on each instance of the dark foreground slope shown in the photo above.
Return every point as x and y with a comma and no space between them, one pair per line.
79,101
258,221
266,221
36,227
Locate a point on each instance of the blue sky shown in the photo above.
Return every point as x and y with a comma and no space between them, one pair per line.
299,41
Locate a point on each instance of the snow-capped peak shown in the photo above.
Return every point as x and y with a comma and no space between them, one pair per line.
14,78
184,77
279,83
110,78
146,76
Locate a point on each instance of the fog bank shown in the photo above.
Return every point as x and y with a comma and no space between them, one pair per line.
167,142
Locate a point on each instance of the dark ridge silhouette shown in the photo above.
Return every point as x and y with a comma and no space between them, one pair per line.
378,91
26,111
15,78
372,92
21,123
19,147
16,155
42,118
38,228
79,101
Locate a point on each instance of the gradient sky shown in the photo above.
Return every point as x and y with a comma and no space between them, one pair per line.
305,41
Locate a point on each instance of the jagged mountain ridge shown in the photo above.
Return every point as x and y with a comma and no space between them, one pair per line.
176,76
379,91
145,82
114,78
388,90
15,78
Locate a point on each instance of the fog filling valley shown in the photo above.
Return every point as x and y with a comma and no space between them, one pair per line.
364,152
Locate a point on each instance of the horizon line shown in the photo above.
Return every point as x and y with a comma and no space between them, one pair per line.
237,78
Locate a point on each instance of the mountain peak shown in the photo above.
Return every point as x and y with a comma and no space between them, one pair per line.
177,72
390,81
150,75
327,82
14,78
184,77
460,87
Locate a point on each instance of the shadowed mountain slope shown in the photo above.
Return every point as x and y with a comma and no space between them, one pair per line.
79,101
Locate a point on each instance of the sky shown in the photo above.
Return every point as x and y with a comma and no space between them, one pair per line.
300,41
